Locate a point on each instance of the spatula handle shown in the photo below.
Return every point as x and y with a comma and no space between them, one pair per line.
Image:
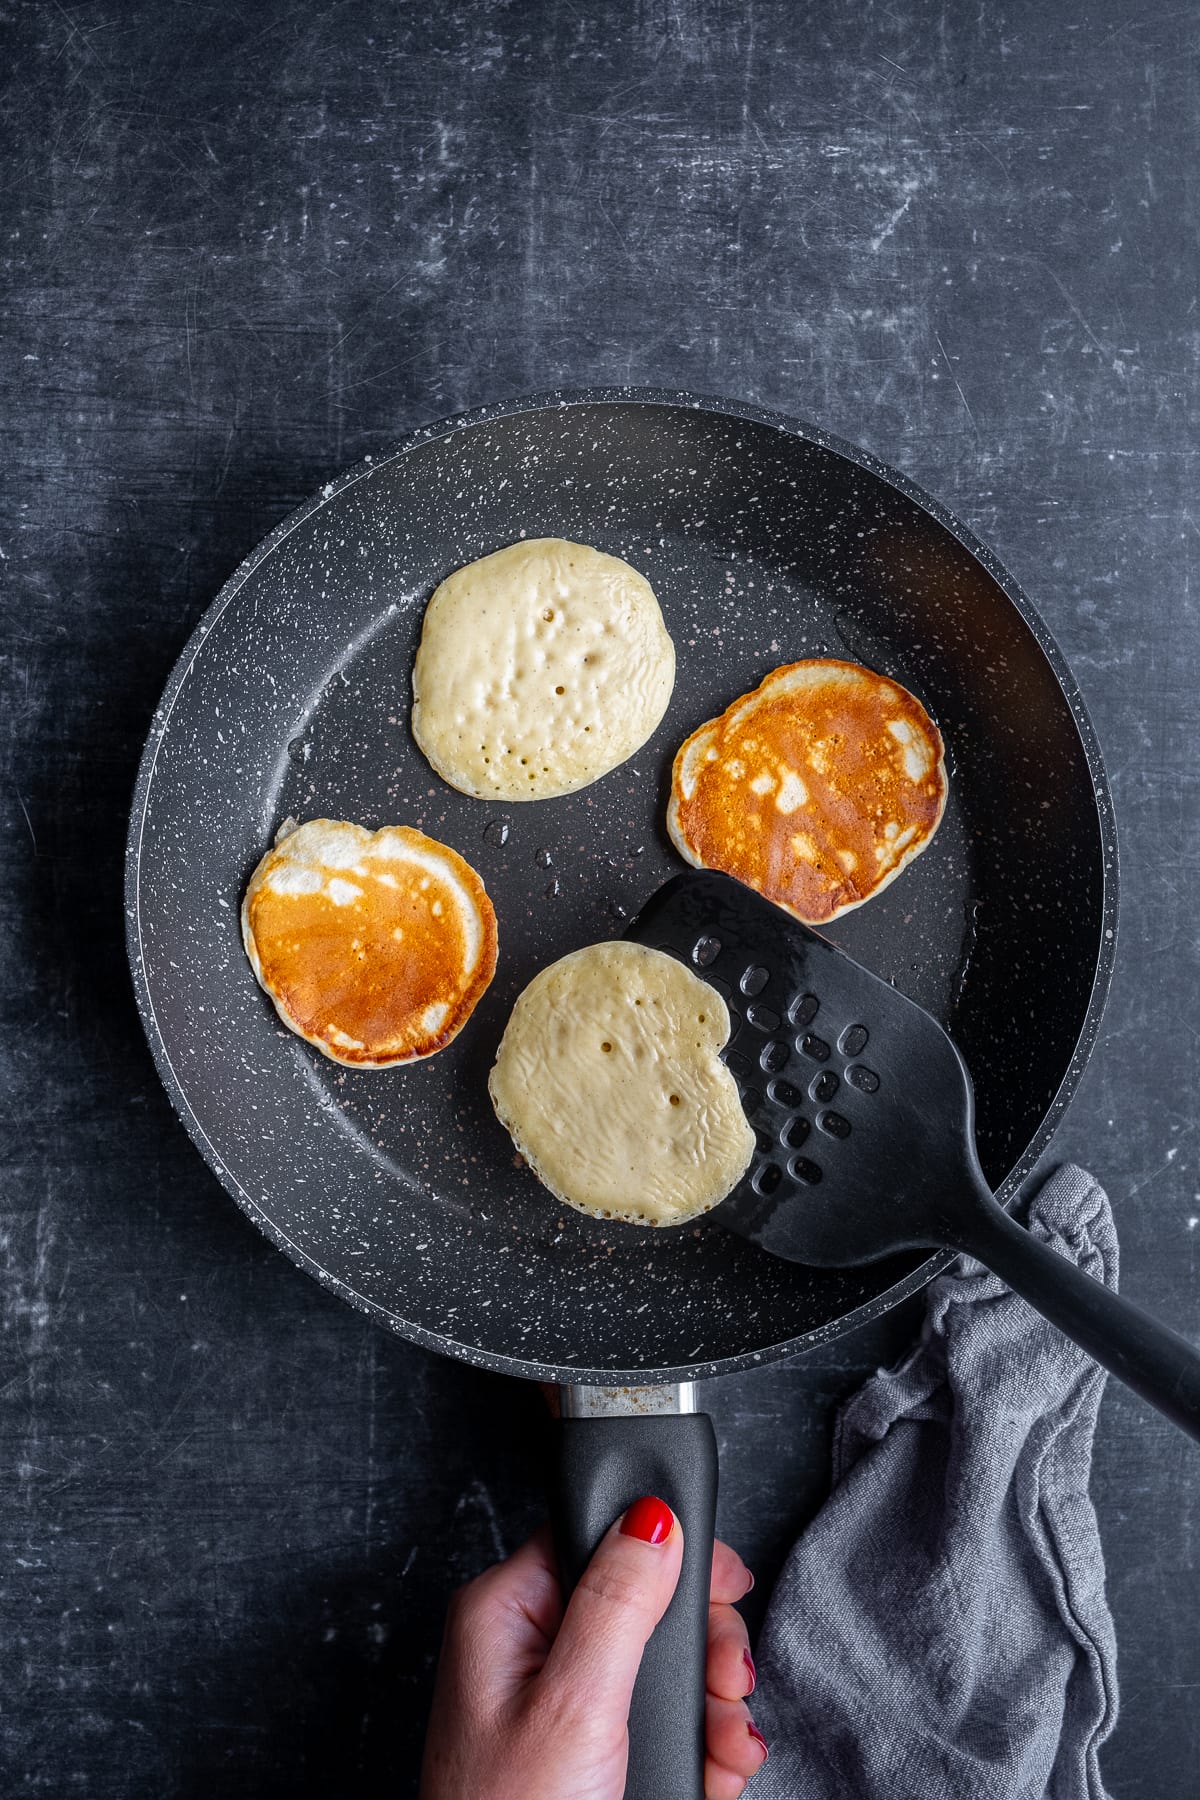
1156,1362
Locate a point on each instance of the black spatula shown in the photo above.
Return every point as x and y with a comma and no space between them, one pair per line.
864,1115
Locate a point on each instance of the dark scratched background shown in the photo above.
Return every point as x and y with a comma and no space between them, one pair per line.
241,247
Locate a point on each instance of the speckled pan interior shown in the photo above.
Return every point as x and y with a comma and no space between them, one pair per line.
765,541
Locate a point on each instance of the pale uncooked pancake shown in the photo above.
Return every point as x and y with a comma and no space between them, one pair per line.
374,945
540,668
817,789
609,1081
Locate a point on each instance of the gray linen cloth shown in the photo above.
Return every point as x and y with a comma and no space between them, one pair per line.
940,1630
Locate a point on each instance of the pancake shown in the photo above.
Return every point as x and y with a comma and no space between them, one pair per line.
373,945
608,1080
540,668
817,789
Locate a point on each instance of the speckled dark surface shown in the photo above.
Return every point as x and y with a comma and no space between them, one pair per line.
764,545
241,250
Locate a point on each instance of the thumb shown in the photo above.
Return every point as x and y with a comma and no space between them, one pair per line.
620,1597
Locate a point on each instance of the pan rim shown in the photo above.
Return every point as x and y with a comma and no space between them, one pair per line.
666,398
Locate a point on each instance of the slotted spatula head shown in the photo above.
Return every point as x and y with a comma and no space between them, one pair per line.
863,1113
861,1105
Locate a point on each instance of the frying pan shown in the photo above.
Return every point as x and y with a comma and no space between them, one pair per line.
766,541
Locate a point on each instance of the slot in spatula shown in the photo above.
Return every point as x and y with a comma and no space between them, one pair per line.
864,1116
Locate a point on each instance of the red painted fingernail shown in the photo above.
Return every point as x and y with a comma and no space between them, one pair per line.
758,1737
649,1519
749,1662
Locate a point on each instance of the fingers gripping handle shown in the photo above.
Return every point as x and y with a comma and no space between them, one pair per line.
603,1464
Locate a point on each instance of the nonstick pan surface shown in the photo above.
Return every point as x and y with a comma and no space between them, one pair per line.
765,541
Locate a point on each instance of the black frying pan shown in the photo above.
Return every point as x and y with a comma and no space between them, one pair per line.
765,541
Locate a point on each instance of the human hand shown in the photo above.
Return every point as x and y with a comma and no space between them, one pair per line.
532,1700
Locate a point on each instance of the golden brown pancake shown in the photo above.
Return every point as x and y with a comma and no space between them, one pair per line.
375,946
816,789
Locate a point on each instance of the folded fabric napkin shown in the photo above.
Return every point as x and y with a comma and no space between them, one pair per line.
940,1631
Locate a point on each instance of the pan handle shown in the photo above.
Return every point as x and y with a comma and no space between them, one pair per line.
1156,1362
605,1460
